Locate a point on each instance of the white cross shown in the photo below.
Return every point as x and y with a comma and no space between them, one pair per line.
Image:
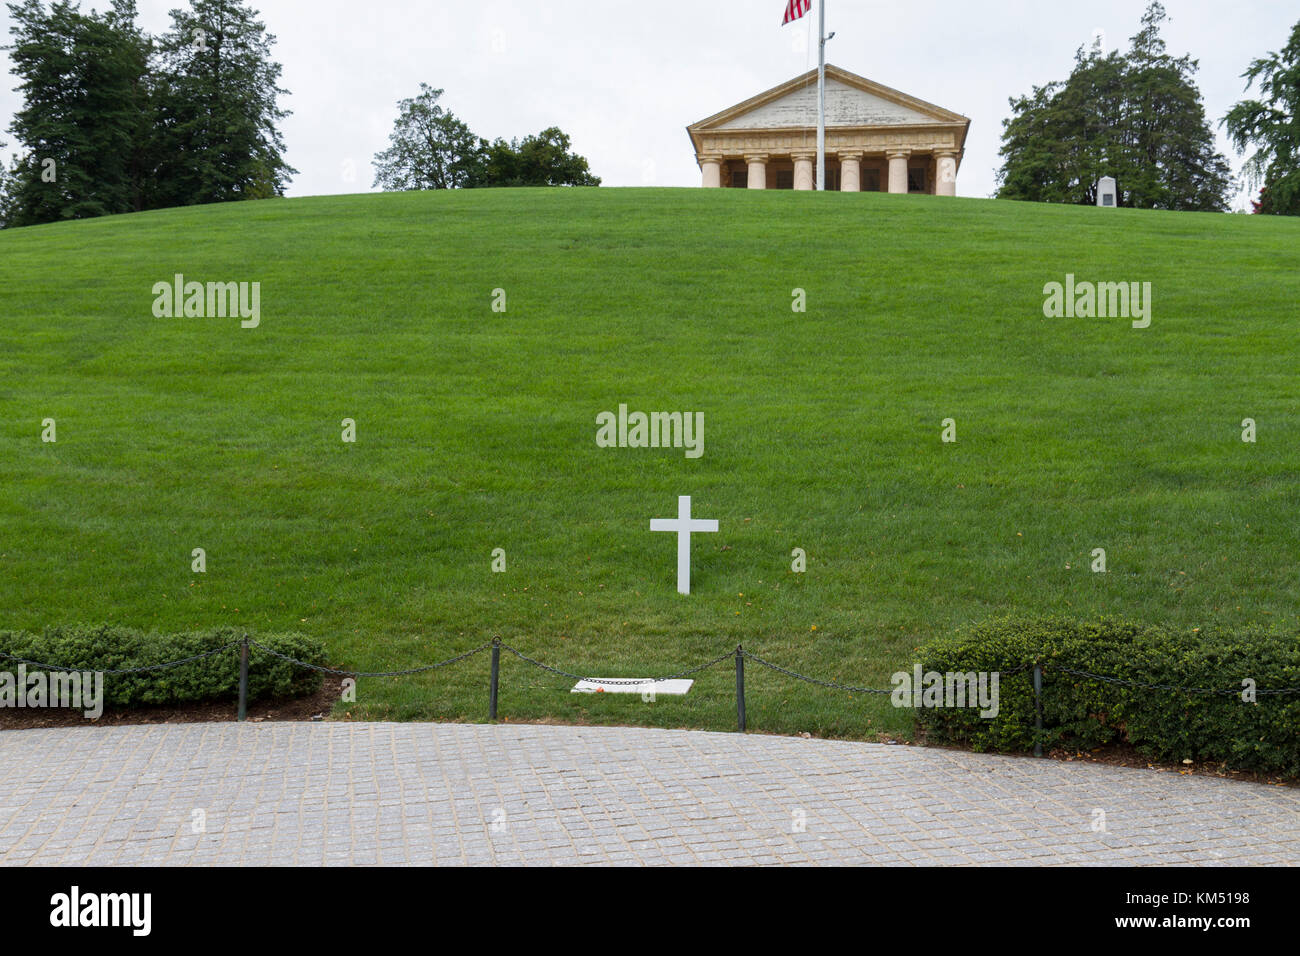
683,525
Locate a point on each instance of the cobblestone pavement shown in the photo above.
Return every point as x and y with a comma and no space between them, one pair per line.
377,793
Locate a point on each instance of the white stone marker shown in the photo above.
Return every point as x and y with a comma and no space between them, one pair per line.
668,688
1107,194
683,525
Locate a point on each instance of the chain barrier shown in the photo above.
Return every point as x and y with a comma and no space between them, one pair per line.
833,685
812,680
345,673
643,680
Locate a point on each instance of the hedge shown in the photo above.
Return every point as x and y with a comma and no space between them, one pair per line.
108,647
1081,713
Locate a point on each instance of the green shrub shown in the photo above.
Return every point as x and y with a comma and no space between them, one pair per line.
1082,712
109,647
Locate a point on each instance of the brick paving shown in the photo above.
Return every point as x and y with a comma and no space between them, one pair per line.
380,793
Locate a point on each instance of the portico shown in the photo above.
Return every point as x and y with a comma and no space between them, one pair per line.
877,139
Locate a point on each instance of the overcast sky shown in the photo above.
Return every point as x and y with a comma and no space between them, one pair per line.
624,77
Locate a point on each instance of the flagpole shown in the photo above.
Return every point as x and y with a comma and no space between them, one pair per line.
821,95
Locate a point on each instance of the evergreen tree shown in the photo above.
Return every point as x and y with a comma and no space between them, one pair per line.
216,133
6,191
1058,137
82,123
1174,163
1135,116
1272,126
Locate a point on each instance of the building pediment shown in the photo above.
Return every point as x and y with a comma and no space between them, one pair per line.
845,106
852,103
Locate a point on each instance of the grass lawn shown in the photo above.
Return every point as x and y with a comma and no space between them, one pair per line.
476,430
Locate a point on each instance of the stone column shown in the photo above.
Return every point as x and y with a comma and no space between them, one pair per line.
803,170
945,172
850,171
898,169
711,166
757,170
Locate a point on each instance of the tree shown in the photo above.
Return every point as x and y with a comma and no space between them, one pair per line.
217,136
541,160
429,148
1272,126
1058,138
82,125
6,192
1135,116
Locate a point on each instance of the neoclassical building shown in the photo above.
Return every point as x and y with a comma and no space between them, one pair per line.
877,139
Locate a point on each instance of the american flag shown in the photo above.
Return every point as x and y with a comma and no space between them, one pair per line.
795,9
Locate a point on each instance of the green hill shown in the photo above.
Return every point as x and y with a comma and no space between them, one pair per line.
476,430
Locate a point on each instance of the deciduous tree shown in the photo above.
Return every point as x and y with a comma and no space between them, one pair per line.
542,160
429,148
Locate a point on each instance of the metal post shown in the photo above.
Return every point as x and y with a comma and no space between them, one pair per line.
496,671
1038,709
243,678
740,688
821,95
